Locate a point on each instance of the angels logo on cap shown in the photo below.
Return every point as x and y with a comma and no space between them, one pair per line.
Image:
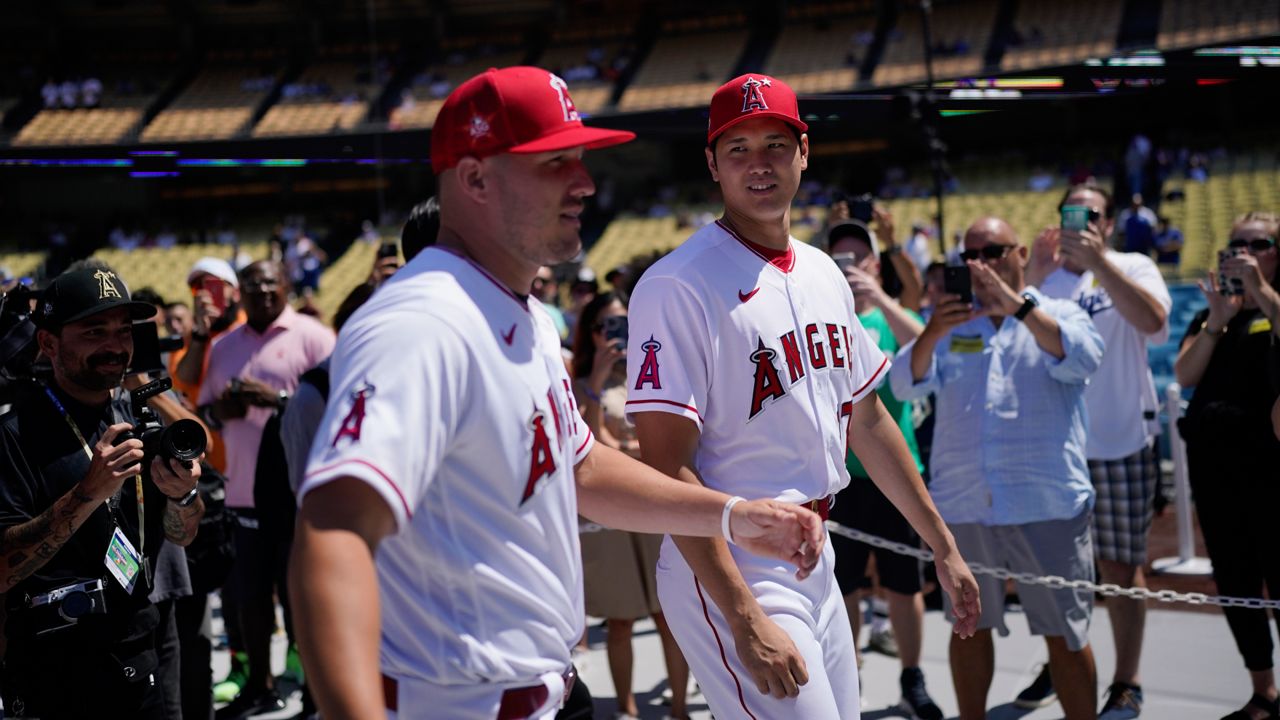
752,99
750,96
512,110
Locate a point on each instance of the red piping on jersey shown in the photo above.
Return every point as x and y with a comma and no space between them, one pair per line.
784,260
524,305
723,658
584,443
874,375
408,511
690,408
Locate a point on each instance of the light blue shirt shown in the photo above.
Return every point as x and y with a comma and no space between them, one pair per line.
1009,439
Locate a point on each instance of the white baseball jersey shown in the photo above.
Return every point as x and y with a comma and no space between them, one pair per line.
451,400
765,354
763,350
1121,395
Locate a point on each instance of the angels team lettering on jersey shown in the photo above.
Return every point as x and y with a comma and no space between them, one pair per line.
765,354
451,400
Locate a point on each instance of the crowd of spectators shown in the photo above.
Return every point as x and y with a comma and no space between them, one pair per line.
1065,485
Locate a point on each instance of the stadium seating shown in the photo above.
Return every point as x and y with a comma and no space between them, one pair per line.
1206,215
421,113
686,65
814,57
165,269
343,274
218,104
342,107
1070,33
970,23
128,88
1192,23
570,48
21,264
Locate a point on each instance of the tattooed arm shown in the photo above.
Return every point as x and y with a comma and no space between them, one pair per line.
27,547
180,523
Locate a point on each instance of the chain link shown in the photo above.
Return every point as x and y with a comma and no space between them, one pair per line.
1056,582
1050,581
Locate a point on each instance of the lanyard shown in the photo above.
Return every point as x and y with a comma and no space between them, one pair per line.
137,479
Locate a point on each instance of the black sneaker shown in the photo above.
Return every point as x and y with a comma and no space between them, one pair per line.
246,706
915,698
1039,693
1124,702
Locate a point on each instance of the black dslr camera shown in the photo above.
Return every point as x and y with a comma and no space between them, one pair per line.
183,440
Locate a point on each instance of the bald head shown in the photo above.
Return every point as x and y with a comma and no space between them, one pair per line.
988,231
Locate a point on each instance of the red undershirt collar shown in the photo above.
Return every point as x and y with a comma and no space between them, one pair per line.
784,260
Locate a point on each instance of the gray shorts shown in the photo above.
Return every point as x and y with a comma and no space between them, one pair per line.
1051,547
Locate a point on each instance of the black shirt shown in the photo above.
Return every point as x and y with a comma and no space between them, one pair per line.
1233,399
40,461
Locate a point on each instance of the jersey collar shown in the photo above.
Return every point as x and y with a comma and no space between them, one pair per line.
783,260
522,302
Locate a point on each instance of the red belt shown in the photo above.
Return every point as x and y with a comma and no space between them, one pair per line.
517,703
821,506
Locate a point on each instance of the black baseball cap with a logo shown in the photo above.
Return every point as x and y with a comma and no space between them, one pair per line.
77,294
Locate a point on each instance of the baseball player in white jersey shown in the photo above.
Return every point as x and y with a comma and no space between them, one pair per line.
452,447
752,374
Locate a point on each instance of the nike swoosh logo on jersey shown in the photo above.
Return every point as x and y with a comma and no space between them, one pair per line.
509,335
747,296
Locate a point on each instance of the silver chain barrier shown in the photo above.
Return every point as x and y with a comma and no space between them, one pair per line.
1054,582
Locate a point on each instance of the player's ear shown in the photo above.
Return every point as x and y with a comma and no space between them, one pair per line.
804,151
711,164
472,177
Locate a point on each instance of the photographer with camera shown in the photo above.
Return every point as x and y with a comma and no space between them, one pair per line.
90,485
1232,453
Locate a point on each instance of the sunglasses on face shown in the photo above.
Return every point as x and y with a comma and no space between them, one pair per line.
1257,245
987,252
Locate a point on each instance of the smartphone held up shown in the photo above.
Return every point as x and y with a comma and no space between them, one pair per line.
956,280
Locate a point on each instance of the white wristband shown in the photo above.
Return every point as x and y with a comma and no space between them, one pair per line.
724,518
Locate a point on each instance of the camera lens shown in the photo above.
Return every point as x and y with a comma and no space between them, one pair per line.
75,605
183,440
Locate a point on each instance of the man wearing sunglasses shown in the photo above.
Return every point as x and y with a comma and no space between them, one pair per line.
1008,463
1129,303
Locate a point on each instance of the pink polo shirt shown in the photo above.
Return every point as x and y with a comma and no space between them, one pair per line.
291,345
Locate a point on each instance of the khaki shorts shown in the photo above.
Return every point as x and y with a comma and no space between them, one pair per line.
1052,547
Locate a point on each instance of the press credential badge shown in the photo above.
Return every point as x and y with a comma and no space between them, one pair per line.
123,561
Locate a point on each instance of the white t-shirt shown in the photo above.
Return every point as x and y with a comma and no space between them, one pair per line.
451,400
767,358
1121,396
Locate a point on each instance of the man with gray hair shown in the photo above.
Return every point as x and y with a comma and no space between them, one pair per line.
1009,372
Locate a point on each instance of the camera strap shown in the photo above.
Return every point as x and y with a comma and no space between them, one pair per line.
111,507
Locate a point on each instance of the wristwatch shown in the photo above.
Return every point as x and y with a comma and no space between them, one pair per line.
1028,304
188,499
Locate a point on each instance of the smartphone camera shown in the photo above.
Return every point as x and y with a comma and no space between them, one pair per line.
863,207
1075,218
1229,285
845,261
957,281
615,328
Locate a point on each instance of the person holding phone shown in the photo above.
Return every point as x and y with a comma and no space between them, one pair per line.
618,567
862,505
1009,372
1125,296
1227,355
215,293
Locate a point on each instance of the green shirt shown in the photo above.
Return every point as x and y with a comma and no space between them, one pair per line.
878,328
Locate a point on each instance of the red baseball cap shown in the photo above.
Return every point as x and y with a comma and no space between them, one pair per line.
750,96
515,110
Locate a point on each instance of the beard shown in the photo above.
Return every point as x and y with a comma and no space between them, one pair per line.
89,374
